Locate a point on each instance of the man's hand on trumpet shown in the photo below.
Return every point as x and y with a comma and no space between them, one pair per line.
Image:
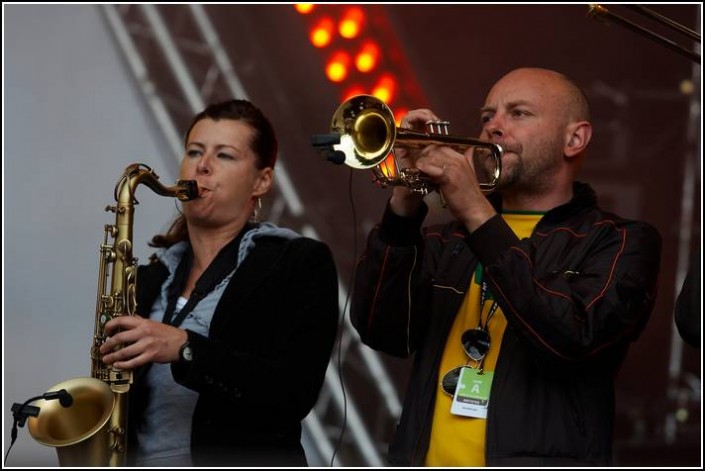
404,202
453,172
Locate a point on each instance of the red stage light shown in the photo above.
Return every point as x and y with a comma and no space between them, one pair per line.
322,33
304,8
385,88
351,24
337,67
367,58
362,53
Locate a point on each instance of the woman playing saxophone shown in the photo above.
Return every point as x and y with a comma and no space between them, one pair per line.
237,318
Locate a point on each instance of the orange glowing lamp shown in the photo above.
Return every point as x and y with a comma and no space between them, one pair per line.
385,88
337,66
304,8
351,23
322,33
367,58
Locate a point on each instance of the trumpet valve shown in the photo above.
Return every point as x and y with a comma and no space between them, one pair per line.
437,127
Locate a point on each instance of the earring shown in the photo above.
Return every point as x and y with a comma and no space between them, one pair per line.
257,213
176,204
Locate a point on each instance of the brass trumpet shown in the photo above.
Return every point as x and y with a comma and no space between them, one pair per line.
364,134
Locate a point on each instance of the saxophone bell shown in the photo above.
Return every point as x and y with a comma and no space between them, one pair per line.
93,430
68,428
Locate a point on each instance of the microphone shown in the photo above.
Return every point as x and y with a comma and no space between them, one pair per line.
65,399
20,412
324,143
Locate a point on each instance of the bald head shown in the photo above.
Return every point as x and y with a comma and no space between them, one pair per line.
570,98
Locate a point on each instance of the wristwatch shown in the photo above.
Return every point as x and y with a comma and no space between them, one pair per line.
186,353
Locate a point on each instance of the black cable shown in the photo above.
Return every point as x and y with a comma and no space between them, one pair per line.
13,436
342,323
17,415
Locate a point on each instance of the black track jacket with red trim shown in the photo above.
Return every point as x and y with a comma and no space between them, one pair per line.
575,294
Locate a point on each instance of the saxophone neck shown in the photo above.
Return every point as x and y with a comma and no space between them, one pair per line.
137,173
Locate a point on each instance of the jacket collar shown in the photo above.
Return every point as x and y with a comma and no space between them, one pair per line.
583,197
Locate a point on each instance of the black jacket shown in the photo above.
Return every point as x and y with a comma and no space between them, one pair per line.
575,294
259,371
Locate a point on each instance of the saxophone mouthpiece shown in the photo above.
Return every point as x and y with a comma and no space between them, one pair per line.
189,190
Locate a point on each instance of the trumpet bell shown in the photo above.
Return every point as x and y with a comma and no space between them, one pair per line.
367,131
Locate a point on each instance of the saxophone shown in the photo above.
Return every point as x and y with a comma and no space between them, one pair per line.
93,430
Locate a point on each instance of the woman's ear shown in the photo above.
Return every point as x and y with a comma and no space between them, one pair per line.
577,138
264,181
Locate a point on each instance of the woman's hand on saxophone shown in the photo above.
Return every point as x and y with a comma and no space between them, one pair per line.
143,341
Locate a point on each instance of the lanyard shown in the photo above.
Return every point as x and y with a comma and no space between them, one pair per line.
493,307
223,264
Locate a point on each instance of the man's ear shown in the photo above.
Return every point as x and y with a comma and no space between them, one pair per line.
264,181
577,138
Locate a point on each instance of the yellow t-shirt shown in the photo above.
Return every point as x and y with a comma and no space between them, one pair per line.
458,440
